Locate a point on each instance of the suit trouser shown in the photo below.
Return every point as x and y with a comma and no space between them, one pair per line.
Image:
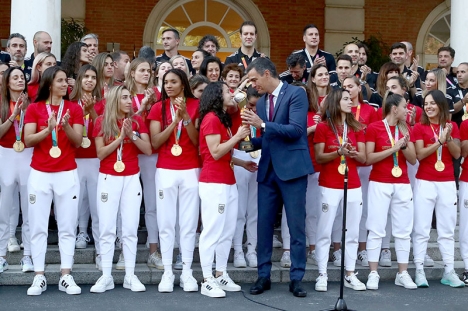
441,196
219,213
396,200
332,201
273,193
118,193
88,173
312,209
14,174
463,207
248,203
64,189
148,172
177,186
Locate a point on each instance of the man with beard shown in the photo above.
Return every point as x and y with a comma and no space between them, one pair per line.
42,43
17,48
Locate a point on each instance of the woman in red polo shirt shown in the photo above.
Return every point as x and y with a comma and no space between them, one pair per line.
388,147
339,143
85,94
41,62
14,158
54,127
364,114
174,122
104,64
437,141
140,84
120,136
218,191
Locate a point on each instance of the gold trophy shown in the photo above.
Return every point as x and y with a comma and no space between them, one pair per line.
241,100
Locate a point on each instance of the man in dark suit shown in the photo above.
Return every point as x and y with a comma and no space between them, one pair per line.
283,168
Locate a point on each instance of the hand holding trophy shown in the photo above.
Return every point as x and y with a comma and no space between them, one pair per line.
241,99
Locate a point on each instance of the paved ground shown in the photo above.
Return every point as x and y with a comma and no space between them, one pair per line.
389,297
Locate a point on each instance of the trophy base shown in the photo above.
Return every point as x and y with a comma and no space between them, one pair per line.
246,146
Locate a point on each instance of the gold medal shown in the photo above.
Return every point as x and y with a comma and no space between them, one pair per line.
176,150
55,152
18,146
342,168
119,166
439,166
254,154
465,117
85,143
396,171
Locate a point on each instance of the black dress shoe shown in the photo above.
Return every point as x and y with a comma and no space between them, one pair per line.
261,285
295,287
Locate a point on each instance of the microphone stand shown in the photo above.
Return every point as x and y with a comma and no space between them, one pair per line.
341,303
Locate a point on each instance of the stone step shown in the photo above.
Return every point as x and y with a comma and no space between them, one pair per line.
87,256
88,274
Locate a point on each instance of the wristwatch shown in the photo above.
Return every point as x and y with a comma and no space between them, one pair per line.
185,123
262,125
135,136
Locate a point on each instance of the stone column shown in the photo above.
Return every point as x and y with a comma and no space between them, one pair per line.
28,17
459,30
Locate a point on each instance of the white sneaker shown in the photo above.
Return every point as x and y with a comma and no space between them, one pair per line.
188,282
336,257
451,279
239,260
251,259
99,262
167,283
133,283
13,245
311,259
118,243
362,258
155,261
405,280
27,264
276,242
353,282
226,283
373,280
3,264
121,263
385,258
321,283
211,288
38,286
285,261
178,263
428,261
103,284
82,240
420,278
67,284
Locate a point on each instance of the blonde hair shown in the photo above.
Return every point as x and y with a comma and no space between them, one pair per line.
38,60
130,81
173,58
441,81
110,128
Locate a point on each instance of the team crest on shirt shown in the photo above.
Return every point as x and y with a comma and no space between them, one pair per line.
161,193
104,196
32,198
465,203
221,208
324,207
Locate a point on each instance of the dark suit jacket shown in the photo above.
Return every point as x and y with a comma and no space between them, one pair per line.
284,141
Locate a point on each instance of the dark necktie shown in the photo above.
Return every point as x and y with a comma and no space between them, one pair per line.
272,107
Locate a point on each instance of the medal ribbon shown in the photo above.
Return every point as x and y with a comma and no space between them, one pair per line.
436,137
177,132
120,150
253,131
59,117
137,102
18,128
392,141
342,139
244,62
86,121
358,113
